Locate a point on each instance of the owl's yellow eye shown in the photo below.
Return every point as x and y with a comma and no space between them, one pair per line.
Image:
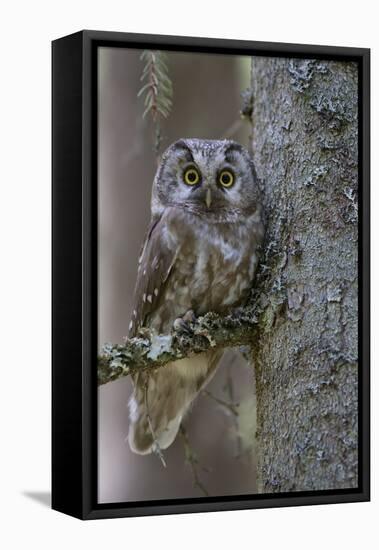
226,178
191,176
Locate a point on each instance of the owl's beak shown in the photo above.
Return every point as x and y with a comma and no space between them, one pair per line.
208,197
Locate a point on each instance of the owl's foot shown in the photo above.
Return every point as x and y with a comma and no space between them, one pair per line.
183,324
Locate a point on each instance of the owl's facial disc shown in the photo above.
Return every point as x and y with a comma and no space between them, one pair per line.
205,177
209,185
206,187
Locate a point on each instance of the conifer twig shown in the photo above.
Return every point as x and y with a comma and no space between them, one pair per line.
157,89
192,461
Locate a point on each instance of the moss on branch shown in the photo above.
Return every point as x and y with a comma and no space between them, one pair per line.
151,350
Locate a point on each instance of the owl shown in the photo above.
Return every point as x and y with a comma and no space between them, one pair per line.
200,255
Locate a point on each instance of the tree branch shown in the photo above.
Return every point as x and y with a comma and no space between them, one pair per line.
151,350
231,407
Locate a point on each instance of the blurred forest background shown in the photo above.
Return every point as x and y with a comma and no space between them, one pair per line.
206,104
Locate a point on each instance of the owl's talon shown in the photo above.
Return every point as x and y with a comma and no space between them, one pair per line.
189,317
182,324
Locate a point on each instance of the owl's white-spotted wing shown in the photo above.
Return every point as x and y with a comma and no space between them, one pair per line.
155,265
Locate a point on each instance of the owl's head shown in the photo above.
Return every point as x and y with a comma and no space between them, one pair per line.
209,178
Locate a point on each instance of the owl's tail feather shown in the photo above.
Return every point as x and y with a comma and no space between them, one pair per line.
159,402
141,438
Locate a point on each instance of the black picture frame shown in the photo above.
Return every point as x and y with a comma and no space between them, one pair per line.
74,272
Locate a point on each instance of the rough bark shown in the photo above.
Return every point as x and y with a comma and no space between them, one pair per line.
304,142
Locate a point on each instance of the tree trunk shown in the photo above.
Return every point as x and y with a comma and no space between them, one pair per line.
305,146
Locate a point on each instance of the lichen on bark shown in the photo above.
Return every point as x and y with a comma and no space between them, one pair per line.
304,143
151,350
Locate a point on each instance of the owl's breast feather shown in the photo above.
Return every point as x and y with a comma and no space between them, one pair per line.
214,265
